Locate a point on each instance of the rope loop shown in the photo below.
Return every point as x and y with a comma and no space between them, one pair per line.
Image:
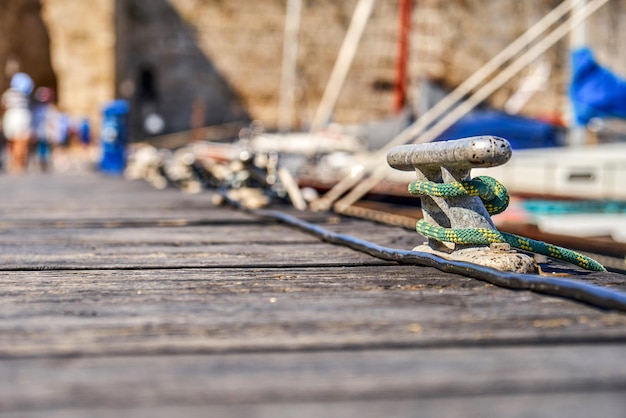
496,199
493,193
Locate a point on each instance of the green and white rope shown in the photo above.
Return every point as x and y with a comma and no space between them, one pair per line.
496,199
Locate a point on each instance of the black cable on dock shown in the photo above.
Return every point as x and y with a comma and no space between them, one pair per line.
597,296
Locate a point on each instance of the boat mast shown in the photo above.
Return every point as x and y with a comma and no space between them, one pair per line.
338,76
578,38
416,133
287,97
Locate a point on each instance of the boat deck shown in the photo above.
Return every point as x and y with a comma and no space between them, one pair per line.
118,299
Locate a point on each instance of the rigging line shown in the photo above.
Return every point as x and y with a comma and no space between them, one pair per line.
453,98
590,294
479,96
343,63
457,94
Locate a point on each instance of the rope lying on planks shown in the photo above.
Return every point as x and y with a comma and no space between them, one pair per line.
590,294
496,199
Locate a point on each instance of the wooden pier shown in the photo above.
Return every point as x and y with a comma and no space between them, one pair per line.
120,300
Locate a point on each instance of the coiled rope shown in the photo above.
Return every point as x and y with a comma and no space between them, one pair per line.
496,199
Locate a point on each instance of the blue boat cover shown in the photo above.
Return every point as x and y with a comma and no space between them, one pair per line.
520,131
595,92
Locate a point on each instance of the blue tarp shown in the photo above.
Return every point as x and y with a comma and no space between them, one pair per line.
594,90
521,132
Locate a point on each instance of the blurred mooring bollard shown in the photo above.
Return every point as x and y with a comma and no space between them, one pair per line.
114,137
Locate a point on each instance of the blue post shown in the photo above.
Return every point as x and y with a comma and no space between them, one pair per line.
114,136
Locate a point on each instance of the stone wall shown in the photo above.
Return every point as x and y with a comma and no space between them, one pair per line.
82,44
63,44
162,70
244,39
24,43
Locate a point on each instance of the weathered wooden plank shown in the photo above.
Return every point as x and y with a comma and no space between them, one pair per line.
225,255
147,212
92,196
219,221
103,218
174,236
52,313
89,189
58,234
116,244
452,379
572,405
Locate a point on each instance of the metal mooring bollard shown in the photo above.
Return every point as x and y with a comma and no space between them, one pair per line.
451,161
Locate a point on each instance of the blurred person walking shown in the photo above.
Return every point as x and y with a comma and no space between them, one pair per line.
84,131
16,122
44,124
